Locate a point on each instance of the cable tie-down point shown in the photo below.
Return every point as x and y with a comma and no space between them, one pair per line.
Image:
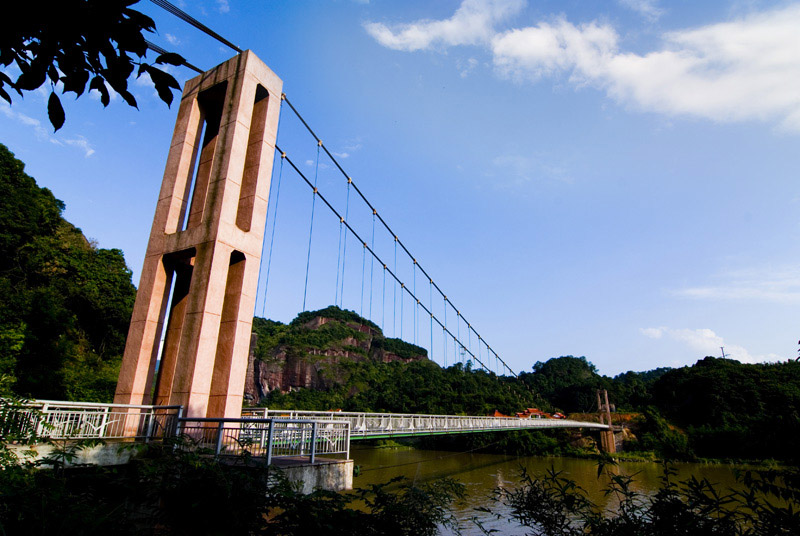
319,142
283,155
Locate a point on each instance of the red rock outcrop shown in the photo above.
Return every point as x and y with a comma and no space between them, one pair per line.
313,368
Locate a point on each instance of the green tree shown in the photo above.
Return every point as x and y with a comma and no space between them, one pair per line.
568,383
731,409
65,304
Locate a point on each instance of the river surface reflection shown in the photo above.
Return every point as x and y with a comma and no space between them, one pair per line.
483,473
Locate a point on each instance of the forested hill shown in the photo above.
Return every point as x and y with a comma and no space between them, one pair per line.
312,350
65,304
714,408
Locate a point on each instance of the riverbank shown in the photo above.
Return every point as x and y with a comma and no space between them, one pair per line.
551,443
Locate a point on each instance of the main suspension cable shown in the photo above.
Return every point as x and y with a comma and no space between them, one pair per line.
380,218
175,10
404,289
158,50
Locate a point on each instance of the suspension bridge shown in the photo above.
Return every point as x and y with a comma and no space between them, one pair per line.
186,355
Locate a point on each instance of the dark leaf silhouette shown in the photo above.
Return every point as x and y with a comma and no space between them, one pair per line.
75,41
170,58
55,111
163,82
76,81
100,85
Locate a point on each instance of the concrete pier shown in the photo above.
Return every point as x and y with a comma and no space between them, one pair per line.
325,473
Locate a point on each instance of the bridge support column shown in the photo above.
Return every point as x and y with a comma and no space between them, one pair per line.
607,442
200,273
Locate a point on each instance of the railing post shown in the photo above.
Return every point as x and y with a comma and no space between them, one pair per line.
270,435
347,441
104,423
150,424
313,440
178,422
41,421
218,448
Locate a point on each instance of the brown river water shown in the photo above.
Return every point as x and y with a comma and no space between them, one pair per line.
483,473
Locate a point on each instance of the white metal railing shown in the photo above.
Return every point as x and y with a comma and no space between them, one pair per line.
49,419
369,425
269,437
260,432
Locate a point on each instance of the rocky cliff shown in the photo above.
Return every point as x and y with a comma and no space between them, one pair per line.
309,352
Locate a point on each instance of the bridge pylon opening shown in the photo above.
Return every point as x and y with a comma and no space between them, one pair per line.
200,272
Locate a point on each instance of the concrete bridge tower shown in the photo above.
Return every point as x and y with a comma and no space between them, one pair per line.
607,442
200,273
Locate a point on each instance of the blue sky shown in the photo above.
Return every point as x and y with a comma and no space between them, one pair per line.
610,179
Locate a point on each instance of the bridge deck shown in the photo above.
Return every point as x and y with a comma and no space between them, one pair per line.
386,425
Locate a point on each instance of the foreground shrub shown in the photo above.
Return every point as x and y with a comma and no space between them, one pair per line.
553,505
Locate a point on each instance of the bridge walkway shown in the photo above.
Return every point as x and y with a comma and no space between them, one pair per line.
388,425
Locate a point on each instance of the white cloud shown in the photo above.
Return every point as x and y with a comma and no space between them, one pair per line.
82,143
705,342
171,39
472,23
653,333
733,71
646,8
42,132
352,146
517,169
26,120
341,155
776,285
743,70
549,49
320,165
471,63
223,6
